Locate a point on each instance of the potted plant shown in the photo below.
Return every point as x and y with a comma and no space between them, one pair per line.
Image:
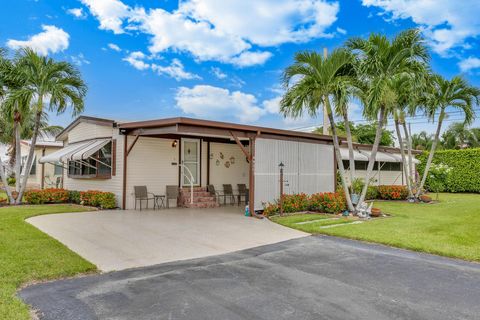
356,189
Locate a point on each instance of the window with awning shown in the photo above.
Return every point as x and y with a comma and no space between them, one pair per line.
87,159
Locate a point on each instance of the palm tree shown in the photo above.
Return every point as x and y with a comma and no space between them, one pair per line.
311,83
47,85
458,136
422,140
442,93
380,63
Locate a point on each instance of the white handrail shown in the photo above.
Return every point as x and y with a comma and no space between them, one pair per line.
190,180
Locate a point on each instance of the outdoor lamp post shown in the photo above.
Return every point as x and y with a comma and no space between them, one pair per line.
281,166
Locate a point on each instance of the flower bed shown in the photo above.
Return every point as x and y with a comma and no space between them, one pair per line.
393,192
328,202
94,198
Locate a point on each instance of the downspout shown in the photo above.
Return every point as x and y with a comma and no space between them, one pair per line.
124,190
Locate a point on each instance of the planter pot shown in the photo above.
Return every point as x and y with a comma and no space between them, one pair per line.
355,197
425,198
376,212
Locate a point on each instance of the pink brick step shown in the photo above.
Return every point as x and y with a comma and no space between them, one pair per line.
201,198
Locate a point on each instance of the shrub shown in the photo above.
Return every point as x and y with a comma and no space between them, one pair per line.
372,193
74,196
464,163
323,202
95,198
393,192
38,196
329,202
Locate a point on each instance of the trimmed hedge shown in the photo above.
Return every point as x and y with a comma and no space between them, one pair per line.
465,166
94,198
328,202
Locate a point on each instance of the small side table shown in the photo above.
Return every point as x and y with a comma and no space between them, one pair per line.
159,201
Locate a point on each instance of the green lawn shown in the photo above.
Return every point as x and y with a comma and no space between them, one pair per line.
27,255
449,228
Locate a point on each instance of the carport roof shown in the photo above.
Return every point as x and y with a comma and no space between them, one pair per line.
174,125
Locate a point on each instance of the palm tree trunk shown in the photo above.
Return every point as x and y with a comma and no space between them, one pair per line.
404,160
338,156
350,145
18,155
408,139
432,153
3,177
373,154
28,164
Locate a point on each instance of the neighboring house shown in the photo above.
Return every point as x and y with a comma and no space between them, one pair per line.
388,167
106,155
43,175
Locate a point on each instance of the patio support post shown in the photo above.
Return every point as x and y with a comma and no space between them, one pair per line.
251,183
125,154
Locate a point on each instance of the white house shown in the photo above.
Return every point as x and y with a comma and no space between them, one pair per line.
102,154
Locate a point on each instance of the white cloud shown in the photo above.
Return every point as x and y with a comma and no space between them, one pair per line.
217,72
79,59
77,13
114,47
249,58
110,13
50,40
341,31
175,70
136,60
211,102
266,22
468,64
221,31
446,23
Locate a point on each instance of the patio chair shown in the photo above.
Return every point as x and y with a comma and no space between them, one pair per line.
214,193
172,193
228,193
141,194
242,192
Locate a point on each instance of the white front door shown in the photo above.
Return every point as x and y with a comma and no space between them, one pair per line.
190,160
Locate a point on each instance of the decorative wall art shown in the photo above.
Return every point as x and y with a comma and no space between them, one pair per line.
221,155
227,164
217,162
232,160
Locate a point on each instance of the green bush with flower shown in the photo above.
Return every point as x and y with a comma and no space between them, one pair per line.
94,198
437,177
393,192
328,202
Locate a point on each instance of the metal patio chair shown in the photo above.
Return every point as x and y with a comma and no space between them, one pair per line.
141,194
242,192
228,193
172,193
214,193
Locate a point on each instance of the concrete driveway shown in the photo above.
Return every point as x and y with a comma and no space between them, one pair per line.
116,240
307,278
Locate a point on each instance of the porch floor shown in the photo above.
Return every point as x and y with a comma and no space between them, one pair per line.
117,239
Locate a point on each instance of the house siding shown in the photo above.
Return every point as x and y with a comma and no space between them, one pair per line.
235,174
85,131
309,168
152,162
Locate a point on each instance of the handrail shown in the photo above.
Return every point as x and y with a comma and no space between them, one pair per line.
190,180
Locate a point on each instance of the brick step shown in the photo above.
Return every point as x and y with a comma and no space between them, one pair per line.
195,189
201,205
195,194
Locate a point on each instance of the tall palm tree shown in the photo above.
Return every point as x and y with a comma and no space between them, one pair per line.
47,85
311,83
458,136
380,62
442,93
422,140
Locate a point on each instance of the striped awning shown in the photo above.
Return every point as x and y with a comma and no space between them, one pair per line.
356,155
75,151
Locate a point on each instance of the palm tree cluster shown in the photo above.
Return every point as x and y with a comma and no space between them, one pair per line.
391,78
31,86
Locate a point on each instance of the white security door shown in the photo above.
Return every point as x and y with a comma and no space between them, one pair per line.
190,160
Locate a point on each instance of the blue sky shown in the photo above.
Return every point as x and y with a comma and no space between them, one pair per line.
221,60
